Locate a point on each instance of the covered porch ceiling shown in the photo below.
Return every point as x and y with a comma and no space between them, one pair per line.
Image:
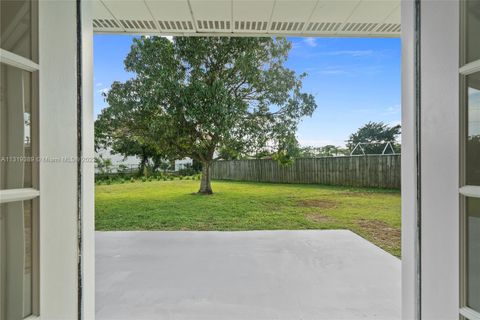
334,18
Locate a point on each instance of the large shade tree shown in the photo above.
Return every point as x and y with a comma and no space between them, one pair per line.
201,97
374,136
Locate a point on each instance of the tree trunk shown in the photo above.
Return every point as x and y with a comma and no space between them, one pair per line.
205,184
141,167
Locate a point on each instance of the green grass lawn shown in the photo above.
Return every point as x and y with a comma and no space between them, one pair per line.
170,205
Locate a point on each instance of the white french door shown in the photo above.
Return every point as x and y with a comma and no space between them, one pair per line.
19,191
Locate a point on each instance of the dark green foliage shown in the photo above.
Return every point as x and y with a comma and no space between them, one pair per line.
375,135
188,170
196,166
326,151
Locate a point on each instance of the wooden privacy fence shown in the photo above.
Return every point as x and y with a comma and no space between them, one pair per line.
382,171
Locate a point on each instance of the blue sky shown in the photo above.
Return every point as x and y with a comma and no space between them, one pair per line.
354,81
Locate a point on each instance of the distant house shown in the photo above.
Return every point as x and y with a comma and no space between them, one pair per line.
183,163
131,162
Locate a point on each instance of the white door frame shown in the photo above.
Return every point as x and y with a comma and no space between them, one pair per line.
416,302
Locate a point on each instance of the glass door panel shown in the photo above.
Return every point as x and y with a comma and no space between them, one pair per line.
473,253
472,30
19,285
16,249
473,130
470,159
16,34
15,128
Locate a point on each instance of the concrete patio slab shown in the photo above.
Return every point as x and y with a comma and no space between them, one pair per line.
308,275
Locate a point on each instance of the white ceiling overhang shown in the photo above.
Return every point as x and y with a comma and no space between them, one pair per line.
335,18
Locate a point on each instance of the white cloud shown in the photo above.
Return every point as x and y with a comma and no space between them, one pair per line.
333,71
311,42
393,110
364,110
103,91
351,53
99,84
358,70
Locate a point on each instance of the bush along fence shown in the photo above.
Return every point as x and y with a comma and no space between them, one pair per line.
379,171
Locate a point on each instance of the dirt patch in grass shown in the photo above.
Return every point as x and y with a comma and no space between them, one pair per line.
317,203
367,194
381,232
319,218
356,194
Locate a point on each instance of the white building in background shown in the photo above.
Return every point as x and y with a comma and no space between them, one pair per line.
117,159
47,71
182,164
131,162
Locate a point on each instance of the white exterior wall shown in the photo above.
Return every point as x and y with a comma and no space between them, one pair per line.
58,181
408,164
440,159
88,169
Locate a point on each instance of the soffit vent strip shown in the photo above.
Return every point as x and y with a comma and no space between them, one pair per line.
213,25
138,24
369,27
241,25
323,26
389,28
287,26
105,24
177,25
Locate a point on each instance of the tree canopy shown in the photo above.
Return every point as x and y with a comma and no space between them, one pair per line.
203,97
374,136
125,142
326,151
